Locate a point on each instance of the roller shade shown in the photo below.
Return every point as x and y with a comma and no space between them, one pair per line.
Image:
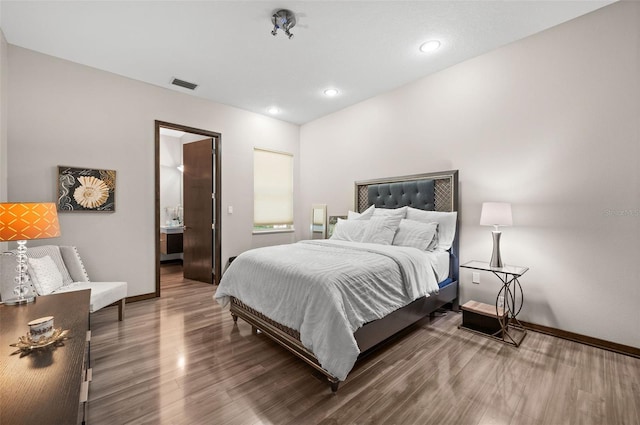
272,189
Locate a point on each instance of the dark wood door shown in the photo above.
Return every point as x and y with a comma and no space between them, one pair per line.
198,186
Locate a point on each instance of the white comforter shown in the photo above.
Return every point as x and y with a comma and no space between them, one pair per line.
327,289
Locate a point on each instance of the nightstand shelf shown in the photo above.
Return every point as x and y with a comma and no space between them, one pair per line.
481,317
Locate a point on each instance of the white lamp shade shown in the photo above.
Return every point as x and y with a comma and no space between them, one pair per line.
496,214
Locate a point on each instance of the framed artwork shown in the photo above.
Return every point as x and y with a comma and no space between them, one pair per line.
86,189
333,220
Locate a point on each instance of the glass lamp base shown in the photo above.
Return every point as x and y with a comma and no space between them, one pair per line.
18,301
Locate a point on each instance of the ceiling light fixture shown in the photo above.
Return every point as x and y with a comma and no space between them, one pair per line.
331,92
273,110
430,46
283,19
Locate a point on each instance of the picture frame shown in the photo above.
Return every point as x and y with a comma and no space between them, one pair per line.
86,189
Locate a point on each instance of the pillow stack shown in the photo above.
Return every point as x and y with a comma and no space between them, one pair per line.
405,226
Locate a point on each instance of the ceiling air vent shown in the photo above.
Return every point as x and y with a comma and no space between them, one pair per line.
185,84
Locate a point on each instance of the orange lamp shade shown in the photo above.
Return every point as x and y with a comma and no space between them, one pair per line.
28,220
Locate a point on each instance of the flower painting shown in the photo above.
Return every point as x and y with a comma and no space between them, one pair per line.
86,189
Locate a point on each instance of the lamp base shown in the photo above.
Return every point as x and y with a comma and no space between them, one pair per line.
496,259
19,301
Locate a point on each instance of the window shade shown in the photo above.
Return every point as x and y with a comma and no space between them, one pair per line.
272,188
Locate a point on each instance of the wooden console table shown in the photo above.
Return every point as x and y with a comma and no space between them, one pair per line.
44,386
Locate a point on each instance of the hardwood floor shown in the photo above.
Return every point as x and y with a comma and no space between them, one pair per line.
180,359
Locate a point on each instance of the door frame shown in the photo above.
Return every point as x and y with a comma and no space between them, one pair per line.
217,138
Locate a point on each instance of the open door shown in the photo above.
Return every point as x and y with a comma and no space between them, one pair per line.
202,238
198,194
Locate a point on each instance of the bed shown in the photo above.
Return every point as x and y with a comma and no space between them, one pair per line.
288,292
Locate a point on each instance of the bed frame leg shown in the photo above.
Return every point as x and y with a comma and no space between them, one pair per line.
334,384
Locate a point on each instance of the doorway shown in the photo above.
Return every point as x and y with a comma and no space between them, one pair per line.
196,216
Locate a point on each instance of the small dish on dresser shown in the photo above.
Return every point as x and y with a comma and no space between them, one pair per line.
27,343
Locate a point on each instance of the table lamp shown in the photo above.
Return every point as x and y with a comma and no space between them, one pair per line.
496,214
21,222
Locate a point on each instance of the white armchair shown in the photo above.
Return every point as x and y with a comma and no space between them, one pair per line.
56,269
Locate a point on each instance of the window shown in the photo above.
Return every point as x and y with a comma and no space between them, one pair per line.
272,191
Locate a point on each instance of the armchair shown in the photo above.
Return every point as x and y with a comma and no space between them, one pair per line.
56,269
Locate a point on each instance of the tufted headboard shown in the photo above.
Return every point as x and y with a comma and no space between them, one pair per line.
416,193
429,191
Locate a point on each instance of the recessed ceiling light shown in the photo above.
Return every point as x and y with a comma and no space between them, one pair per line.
430,46
273,110
331,92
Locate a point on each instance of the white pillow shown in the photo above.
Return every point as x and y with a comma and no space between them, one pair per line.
381,230
415,234
364,215
446,224
390,212
349,230
45,275
52,251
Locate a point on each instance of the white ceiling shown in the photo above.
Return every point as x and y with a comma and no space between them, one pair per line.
362,48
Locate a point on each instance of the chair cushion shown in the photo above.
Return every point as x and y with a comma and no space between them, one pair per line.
102,293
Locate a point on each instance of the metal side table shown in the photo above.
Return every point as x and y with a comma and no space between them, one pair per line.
511,330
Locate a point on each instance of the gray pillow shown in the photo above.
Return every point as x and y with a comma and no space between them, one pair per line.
416,234
349,230
381,230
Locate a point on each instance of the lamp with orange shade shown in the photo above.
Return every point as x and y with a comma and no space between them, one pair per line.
21,222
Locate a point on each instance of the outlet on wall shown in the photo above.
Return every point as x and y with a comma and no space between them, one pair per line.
475,277
500,302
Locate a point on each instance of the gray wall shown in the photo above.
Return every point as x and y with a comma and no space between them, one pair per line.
549,123
61,113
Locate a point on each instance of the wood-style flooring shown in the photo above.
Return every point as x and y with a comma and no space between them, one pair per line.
180,359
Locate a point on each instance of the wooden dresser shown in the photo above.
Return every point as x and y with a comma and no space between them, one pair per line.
45,387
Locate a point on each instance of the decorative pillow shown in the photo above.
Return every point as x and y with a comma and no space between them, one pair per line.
381,230
349,230
52,251
45,275
364,215
446,224
415,234
390,212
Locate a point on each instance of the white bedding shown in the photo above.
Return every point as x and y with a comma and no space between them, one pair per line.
327,289
440,263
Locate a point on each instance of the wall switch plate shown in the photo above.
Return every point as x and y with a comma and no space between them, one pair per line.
229,209
475,277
